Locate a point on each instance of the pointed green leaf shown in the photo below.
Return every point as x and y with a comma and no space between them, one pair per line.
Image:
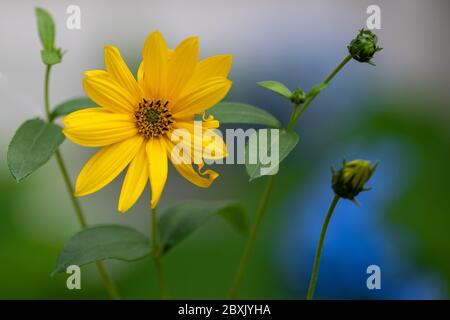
276,87
254,165
180,221
32,146
46,28
236,112
72,105
103,242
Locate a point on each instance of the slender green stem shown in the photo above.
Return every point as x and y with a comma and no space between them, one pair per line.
109,284
157,256
252,237
325,82
107,280
291,123
46,92
263,204
312,283
73,199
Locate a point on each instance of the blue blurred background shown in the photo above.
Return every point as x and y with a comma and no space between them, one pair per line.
396,112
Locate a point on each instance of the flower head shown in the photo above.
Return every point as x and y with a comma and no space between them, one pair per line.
349,181
364,46
136,118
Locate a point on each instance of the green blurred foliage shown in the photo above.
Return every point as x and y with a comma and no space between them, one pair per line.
203,266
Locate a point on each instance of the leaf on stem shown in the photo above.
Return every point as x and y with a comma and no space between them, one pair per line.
101,243
236,112
46,28
70,106
276,87
261,148
32,146
180,221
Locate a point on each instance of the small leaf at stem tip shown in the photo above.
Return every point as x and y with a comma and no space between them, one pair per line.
46,28
178,222
257,168
69,106
237,112
101,243
32,146
276,87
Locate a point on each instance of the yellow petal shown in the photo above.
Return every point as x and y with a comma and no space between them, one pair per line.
135,181
140,75
96,127
155,64
211,146
157,159
106,164
105,92
200,179
181,66
202,98
215,66
119,71
95,73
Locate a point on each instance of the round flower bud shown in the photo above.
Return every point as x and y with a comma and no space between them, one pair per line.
349,181
364,46
298,96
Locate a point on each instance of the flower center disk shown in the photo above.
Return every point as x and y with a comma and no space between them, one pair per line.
153,118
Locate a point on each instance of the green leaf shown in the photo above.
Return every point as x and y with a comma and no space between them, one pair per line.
316,90
276,87
46,28
236,112
32,146
103,242
71,105
286,143
180,221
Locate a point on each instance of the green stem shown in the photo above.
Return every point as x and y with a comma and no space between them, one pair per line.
251,239
263,204
107,281
325,82
291,123
157,256
73,199
109,284
312,283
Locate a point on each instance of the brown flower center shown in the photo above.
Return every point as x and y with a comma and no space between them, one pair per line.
153,118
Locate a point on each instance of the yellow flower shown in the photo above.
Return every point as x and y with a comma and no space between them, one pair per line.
136,119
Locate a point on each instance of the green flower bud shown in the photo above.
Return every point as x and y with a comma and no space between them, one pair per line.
298,96
364,46
51,56
349,181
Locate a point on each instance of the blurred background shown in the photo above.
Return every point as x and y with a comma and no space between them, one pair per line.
396,112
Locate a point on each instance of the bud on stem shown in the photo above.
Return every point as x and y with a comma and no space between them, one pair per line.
349,181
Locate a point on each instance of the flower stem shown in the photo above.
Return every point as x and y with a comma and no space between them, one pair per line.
252,237
157,256
312,283
325,82
263,204
109,284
